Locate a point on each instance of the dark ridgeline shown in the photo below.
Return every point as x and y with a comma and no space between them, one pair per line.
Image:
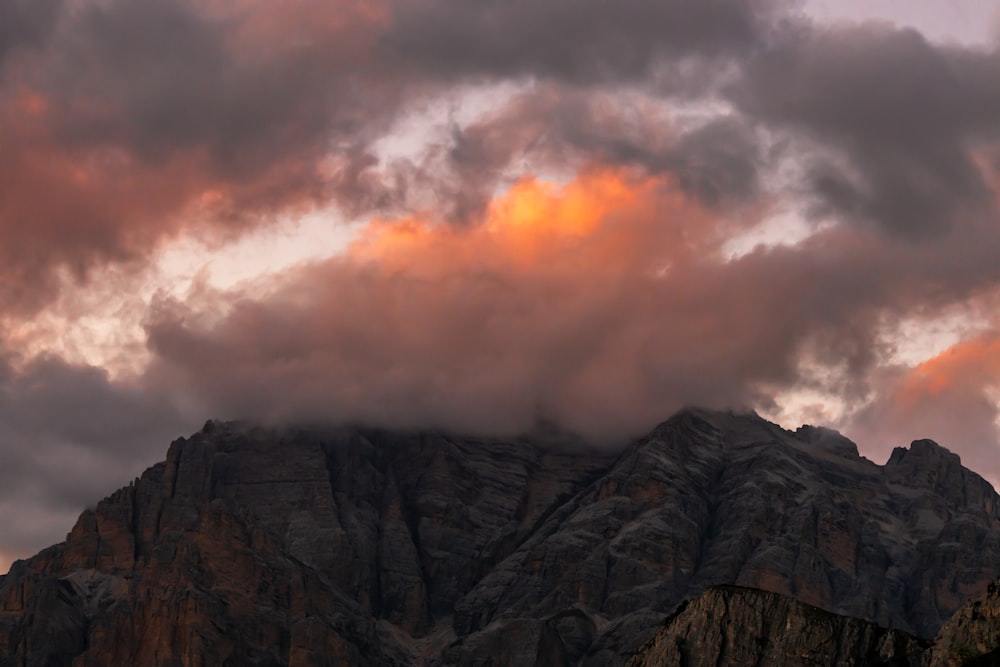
730,625
253,546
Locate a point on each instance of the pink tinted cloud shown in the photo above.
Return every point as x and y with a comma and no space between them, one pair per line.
602,305
485,328
950,398
134,123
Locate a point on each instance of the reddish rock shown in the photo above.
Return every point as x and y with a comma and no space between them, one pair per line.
729,626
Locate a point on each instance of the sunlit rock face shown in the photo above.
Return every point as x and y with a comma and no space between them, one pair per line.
317,546
730,625
972,636
744,626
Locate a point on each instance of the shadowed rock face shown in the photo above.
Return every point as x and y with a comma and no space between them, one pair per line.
252,546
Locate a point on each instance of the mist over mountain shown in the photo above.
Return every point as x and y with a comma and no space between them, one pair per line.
322,545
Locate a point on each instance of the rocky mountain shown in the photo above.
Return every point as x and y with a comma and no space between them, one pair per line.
318,546
729,625
972,636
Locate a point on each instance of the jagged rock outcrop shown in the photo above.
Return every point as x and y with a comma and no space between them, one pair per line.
253,546
729,626
708,499
971,638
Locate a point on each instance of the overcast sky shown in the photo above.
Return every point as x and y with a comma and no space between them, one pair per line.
487,214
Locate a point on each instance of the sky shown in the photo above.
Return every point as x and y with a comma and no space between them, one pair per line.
487,216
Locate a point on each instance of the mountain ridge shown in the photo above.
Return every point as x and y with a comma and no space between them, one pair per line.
732,625
427,548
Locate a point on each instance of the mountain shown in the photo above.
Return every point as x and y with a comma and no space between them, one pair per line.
972,636
321,546
729,625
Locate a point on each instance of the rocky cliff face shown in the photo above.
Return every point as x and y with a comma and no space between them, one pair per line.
252,546
728,626
972,637
744,626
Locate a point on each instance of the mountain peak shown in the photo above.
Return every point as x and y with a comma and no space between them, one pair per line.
258,545
926,452
827,438
926,464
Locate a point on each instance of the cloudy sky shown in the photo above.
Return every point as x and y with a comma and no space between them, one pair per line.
483,215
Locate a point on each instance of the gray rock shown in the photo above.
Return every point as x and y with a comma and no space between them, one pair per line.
302,546
729,626
972,636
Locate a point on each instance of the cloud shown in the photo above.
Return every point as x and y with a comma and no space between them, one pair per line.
427,324
491,288
127,123
70,435
554,127
26,24
951,398
583,42
602,305
134,122
888,120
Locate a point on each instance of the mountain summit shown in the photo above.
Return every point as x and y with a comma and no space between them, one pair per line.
321,546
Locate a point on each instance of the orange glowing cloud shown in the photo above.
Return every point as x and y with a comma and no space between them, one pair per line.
539,225
103,166
973,362
950,398
75,209
580,302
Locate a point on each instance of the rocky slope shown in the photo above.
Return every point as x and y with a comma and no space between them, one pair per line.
745,626
972,637
729,625
251,546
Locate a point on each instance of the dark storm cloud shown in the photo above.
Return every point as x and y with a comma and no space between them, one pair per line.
173,78
69,435
718,162
888,129
133,122
894,120
25,23
589,41
136,121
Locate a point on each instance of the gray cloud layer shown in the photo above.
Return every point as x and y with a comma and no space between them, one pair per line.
69,436
902,114
587,42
